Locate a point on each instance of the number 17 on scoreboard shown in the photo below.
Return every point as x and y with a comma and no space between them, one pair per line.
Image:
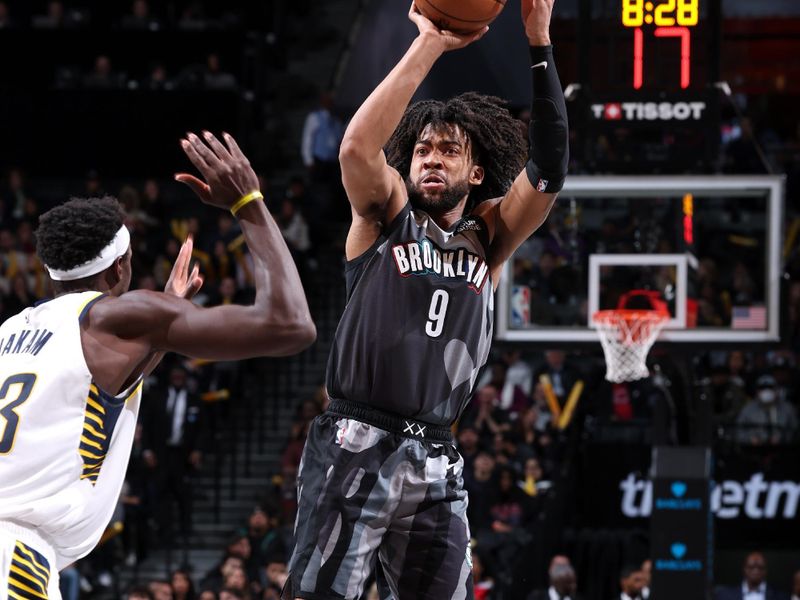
672,18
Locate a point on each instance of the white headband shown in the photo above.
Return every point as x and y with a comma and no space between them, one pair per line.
116,248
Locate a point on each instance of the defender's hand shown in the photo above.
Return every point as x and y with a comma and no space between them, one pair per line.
180,282
536,17
227,172
447,39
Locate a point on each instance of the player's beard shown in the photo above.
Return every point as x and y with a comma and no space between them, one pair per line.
442,201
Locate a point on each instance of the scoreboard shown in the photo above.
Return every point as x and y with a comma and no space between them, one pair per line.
647,70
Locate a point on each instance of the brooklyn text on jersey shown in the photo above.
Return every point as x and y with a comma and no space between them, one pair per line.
426,258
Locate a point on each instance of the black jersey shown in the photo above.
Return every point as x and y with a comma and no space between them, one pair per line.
418,322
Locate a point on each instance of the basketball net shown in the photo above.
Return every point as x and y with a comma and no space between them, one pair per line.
627,336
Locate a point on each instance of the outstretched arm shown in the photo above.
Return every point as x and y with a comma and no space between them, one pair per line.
181,284
527,204
277,324
370,183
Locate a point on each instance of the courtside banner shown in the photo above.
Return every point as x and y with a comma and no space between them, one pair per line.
754,495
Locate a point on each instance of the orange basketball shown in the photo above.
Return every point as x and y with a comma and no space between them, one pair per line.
461,16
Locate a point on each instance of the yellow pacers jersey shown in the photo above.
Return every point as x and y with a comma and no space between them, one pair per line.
64,444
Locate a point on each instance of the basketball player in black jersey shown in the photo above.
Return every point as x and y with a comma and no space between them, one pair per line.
435,217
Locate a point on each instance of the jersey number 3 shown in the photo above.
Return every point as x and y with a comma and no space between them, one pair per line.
10,419
436,313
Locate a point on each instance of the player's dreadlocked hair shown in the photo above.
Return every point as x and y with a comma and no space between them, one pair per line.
75,232
496,138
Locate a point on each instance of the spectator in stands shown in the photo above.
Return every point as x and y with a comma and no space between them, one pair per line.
485,415
5,17
740,154
20,296
182,586
631,582
744,288
482,582
230,594
135,498
533,482
153,203
796,586
518,382
53,18
754,585
214,578
102,77
740,369
237,580
214,77
511,452
158,78
207,595
562,376
265,538
647,572
563,584
140,18
768,418
511,508
275,577
69,582
481,487
468,445
783,367
727,393
14,196
293,451
174,432
533,421
161,590
294,229
139,593
25,242
322,136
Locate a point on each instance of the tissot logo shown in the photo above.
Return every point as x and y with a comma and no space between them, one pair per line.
649,111
752,499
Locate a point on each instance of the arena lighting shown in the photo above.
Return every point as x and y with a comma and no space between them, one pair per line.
688,219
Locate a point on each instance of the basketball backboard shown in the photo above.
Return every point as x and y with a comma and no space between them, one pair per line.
708,246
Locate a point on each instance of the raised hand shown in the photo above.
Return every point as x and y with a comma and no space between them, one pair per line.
448,39
226,170
180,282
536,17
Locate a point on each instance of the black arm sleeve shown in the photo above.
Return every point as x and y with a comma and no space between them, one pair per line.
548,154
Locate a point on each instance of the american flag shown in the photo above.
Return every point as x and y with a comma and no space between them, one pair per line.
749,317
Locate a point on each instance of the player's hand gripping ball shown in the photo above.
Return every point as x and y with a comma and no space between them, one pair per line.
461,16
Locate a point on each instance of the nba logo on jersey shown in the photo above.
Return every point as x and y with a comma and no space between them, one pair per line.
542,185
520,305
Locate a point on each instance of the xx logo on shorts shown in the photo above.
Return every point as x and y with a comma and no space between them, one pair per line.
410,429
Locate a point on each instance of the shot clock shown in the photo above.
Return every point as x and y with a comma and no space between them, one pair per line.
672,19
646,71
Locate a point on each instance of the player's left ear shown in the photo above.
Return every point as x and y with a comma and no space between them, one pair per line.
476,175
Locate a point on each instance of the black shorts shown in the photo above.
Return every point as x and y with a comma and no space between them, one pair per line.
364,490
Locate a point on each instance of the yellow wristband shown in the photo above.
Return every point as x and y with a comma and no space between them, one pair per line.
246,200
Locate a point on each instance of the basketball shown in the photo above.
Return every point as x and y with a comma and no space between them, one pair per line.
461,16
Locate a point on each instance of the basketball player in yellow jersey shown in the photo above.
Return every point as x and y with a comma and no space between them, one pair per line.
71,368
